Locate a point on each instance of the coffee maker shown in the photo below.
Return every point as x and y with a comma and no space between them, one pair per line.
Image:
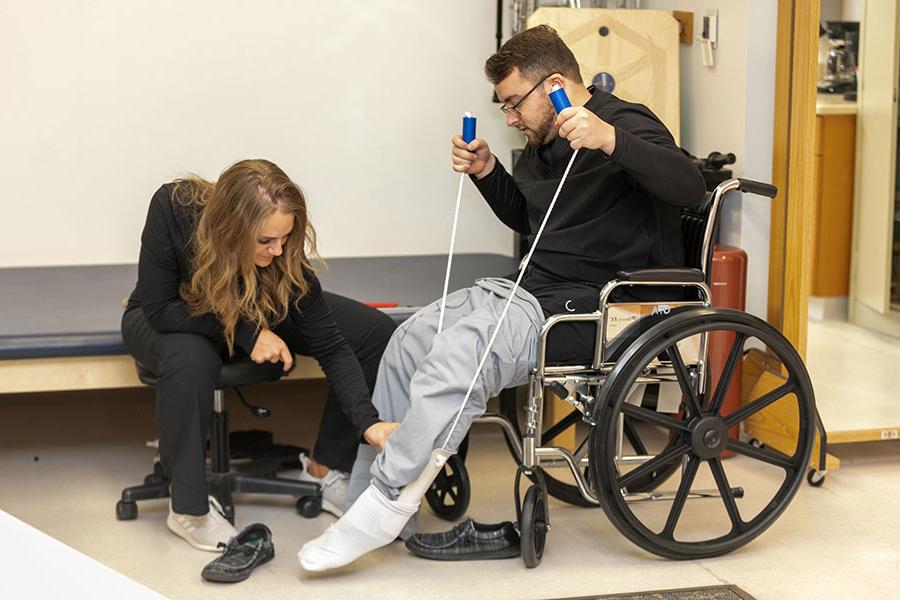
839,58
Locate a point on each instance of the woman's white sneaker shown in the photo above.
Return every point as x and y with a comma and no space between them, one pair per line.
334,487
206,532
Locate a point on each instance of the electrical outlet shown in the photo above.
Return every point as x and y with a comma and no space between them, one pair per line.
685,26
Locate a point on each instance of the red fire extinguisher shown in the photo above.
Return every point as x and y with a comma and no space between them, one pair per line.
728,280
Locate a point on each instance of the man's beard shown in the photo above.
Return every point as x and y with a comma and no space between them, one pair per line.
541,134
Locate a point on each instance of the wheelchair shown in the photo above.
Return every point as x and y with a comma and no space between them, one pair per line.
649,413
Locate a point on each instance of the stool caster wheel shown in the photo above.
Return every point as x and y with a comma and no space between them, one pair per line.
154,479
449,494
126,510
309,506
815,478
533,526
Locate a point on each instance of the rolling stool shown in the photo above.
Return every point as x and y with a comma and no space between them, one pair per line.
223,481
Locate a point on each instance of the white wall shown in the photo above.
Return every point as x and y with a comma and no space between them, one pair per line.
730,108
102,101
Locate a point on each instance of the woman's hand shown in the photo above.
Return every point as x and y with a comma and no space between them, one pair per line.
378,434
271,348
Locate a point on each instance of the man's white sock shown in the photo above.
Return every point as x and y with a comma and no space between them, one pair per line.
372,522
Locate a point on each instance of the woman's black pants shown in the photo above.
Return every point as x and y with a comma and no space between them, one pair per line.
188,366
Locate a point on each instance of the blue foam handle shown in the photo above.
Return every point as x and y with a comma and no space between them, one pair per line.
468,128
559,99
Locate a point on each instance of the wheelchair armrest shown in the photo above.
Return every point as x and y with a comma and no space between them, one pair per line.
673,274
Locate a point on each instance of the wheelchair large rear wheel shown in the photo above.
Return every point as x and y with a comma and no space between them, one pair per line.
748,492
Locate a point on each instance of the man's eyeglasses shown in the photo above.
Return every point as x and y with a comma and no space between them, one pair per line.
513,110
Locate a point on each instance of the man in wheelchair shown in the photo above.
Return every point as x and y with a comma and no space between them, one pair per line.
620,208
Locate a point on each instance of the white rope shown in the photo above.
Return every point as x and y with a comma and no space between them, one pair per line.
440,328
522,268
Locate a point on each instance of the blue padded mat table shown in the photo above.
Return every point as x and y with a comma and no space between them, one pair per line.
75,311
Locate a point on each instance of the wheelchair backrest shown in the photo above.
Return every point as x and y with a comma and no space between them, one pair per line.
694,222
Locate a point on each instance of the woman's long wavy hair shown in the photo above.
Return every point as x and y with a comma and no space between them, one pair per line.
226,282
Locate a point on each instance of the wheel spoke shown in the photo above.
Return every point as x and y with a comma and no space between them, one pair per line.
760,403
728,372
681,496
633,438
566,422
651,416
737,524
653,465
773,457
684,380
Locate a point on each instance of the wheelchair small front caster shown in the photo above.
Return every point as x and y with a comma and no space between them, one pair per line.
815,478
756,443
309,506
126,510
533,526
451,491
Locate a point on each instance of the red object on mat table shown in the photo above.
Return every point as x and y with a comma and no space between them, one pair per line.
382,304
729,290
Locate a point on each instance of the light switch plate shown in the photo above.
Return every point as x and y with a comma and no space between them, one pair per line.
710,30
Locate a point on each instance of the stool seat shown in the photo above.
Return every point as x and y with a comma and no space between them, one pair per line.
236,372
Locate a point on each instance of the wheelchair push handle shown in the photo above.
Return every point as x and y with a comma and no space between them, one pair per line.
757,187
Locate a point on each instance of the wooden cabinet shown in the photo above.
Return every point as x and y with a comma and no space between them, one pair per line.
833,219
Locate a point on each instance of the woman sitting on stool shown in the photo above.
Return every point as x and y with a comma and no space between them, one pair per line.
225,270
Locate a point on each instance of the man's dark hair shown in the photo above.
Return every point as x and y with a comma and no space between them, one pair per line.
536,52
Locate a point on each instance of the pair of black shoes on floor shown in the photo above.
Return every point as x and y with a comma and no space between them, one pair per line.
243,553
468,541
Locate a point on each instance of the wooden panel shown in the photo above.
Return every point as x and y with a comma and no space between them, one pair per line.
793,169
640,51
834,210
780,147
94,373
801,176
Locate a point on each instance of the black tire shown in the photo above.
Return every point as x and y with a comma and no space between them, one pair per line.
533,526
701,433
450,492
126,510
815,478
309,507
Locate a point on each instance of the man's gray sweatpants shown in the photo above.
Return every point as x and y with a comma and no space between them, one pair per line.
423,377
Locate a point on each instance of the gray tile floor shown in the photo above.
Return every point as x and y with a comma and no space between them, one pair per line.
65,457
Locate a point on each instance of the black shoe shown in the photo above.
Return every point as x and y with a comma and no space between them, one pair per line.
243,553
467,541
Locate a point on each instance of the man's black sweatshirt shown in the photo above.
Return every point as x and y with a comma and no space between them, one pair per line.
614,212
